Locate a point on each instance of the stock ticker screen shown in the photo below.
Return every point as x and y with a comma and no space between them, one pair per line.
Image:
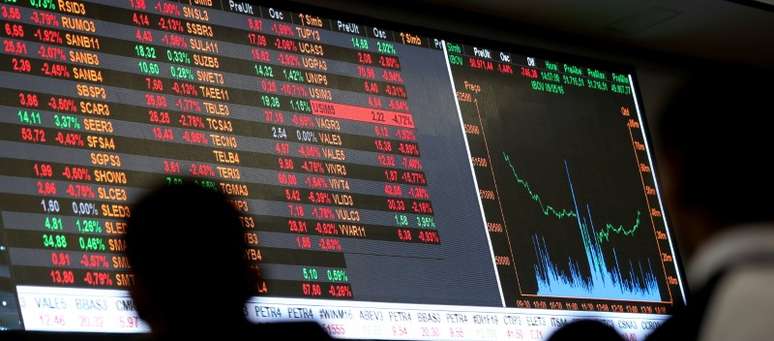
392,184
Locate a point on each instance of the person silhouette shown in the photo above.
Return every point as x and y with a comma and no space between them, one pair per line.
586,330
185,245
715,135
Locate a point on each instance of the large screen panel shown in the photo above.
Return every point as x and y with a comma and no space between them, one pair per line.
393,183
566,182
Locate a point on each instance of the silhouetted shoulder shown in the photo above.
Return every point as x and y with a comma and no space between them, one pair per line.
586,330
23,335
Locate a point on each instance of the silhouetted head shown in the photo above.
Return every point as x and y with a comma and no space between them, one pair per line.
586,330
716,134
186,248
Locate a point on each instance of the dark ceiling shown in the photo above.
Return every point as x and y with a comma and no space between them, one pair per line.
733,32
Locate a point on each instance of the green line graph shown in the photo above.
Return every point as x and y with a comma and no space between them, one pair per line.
603,235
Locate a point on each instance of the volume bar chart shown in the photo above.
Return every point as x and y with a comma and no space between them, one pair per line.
590,276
